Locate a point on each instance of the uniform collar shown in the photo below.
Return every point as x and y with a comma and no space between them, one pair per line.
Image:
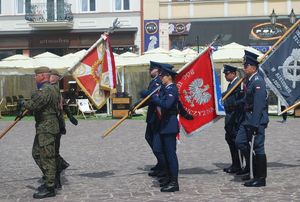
169,84
233,80
252,76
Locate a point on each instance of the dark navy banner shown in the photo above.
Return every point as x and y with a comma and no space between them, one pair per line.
151,33
282,69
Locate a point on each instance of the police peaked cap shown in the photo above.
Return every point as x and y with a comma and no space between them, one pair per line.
40,70
166,69
228,68
54,72
250,58
158,65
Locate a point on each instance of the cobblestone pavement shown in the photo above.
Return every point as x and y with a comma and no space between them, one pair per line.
115,168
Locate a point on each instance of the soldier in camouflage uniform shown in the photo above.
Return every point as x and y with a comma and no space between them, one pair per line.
61,163
44,104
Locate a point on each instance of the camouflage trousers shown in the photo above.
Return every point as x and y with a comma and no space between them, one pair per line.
43,153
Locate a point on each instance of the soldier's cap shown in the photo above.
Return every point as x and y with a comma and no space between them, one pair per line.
250,59
166,70
54,72
40,70
229,68
158,65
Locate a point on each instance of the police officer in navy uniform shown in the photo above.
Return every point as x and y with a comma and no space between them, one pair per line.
167,101
234,113
255,120
152,135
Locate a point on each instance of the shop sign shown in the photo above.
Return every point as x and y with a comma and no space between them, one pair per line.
179,28
268,31
50,42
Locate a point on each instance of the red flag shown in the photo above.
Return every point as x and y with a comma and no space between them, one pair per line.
196,90
96,72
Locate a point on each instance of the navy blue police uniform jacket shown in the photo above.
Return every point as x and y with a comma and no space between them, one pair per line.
256,106
151,115
167,100
232,105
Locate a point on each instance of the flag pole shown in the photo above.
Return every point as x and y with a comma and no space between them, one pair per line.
264,56
232,89
13,124
290,108
124,117
202,52
280,40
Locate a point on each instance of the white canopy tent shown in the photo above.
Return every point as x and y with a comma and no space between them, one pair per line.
233,52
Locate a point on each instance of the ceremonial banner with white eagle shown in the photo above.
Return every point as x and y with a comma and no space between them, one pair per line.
282,69
195,83
96,72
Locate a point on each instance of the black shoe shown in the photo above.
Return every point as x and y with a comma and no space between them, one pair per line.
41,187
44,193
164,179
161,174
246,177
256,182
156,167
232,169
154,173
243,172
226,169
171,187
165,183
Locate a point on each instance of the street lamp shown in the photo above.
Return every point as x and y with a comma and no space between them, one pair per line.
273,17
292,17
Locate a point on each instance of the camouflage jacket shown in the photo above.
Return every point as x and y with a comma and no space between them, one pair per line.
61,119
44,104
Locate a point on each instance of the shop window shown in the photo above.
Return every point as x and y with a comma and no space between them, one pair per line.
88,5
0,7
20,6
122,5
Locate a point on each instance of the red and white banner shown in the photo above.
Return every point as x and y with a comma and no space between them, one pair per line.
195,83
96,72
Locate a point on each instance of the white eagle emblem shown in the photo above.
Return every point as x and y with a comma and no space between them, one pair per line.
197,93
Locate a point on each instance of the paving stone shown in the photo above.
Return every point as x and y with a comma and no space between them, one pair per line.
116,168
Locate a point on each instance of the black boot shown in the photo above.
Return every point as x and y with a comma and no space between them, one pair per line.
235,166
41,187
44,193
164,181
154,173
172,186
261,172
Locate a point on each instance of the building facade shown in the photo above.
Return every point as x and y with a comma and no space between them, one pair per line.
196,22
31,27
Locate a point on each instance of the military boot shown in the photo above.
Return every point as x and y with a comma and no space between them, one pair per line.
164,181
235,166
154,173
172,186
261,172
44,193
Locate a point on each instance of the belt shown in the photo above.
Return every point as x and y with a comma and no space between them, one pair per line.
46,117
